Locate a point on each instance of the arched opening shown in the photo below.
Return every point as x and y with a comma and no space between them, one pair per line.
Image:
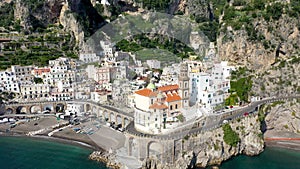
9,111
112,117
154,149
119,121
48,108
130,146
106,115
87,107
126,122
60,108
35,109
21,110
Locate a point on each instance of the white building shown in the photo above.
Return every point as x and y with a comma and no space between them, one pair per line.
74,109
23,73
153,64
31,91
108,48
62,64
8,82
211,88
89,57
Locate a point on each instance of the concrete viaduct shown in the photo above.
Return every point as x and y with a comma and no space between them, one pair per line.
107,113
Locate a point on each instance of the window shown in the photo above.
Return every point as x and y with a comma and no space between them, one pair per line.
176,106
171,107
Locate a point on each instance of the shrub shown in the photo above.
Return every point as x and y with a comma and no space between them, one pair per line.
230,137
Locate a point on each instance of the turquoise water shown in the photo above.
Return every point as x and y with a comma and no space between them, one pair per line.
271,158
27,153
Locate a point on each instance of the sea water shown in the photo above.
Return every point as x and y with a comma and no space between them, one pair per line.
28,153
271,158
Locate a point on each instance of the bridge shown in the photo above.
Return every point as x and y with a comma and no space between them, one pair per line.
105,112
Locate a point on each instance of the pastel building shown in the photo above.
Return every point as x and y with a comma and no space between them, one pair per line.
211,88
89,57
153,64
30,91
155,107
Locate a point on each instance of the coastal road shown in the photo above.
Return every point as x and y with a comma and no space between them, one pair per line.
212,122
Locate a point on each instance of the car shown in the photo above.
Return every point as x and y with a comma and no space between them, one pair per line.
225,121
246,114
121,129
108,124
231,107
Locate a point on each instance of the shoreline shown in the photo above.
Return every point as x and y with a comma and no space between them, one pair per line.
56,139
100,155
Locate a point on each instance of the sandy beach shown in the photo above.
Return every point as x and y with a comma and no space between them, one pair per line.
282,139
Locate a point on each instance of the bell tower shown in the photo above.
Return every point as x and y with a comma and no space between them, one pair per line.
183,80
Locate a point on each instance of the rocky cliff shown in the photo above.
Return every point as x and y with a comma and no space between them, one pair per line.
284,117
235,46
210,149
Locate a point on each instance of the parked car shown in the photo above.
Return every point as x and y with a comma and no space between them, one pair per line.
246,114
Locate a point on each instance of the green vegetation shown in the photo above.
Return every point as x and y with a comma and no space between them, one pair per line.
240,86
157,5
217,147
294,114
273,11
180,118
230,137
210,29
7,15
39,49
38,80
294,10
139,42
277,103
232,100
164,56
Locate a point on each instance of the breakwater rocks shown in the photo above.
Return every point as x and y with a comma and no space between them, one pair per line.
106,158
209,148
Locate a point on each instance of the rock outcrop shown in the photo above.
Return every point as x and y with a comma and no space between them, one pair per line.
236,46
209,148
284,117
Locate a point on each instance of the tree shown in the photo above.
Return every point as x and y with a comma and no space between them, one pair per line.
230,137
38,80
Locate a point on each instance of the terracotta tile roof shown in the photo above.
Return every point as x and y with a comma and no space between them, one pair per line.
149,93
173,97
158,106
168,88
41,70
146,92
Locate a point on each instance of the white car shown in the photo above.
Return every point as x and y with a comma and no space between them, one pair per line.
225,121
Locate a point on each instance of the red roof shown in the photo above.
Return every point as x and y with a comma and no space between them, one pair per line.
173,97
41,70
168,88
158,106
146,92
149,93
